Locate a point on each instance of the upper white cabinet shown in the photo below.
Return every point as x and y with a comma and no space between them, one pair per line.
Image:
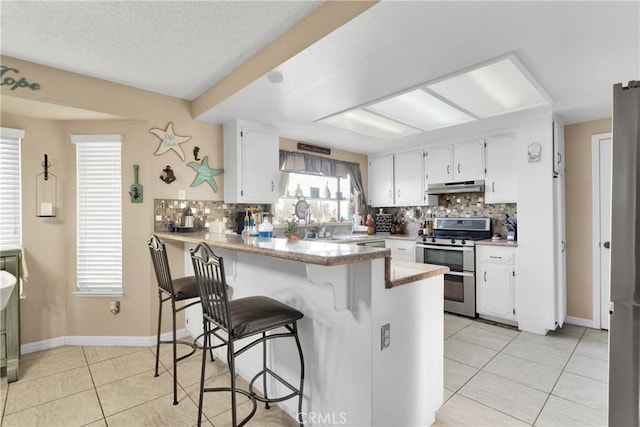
500,180
437,164
381,180
251,156
408,182
396,180
463,161
468,160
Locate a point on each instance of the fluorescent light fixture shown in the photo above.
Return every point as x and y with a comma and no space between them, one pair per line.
494,89
370,124
420,109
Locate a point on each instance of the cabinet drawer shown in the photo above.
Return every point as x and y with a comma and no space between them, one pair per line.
496,255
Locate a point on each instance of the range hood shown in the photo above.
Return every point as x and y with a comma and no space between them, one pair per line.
476,186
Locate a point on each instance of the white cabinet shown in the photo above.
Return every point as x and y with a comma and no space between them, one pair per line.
401,250
463,161
437,164
501,177
396,179
408,182
381,180
495,282
251,156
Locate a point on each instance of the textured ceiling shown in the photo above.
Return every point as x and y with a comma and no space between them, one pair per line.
576,50
177,48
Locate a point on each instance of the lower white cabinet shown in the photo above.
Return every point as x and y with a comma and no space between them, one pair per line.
495,282
401,250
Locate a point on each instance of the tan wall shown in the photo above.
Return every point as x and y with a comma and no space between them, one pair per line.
291,145
50,309
579,218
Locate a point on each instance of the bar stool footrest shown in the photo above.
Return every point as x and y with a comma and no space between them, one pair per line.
295,391
251,397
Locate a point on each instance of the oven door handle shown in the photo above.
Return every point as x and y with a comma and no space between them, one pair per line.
460,273
446,248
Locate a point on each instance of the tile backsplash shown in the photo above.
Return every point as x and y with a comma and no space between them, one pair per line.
461,205
204,211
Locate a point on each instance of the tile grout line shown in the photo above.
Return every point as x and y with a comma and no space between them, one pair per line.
95,389
559,376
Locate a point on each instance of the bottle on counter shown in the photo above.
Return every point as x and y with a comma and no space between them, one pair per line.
265,229
245,230
187,217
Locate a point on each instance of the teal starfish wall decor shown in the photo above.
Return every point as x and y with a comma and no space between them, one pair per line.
204,173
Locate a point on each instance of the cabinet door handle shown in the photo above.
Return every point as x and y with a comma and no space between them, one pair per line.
485,276
398,193
272,186
458,167
607,245
495,257
564,246
493,187
448,169
390,194
559,157
402,249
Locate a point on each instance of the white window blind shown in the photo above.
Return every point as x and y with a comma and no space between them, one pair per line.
99,214
10,201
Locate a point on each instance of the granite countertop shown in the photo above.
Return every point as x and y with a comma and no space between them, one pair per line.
356,238
501,242
403,272
310,251
314,252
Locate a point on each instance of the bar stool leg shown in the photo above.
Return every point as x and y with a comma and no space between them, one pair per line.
300,390
232,372
264,368
158,337
205,339
175,361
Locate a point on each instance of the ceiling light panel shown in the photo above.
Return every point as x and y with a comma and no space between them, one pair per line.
420,109
491,90
370,124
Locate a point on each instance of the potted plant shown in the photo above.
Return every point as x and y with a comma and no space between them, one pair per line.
293,230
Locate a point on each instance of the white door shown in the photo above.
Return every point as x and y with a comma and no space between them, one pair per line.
260,172
501,183
604,147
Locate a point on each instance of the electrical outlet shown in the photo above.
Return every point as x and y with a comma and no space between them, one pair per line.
182,194
114,307
385,336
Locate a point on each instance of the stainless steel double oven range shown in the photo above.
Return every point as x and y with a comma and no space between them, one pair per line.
453,245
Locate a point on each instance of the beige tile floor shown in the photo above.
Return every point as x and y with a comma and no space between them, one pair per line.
115,386
493,376
497,376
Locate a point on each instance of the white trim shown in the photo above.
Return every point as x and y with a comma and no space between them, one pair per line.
595,226
12,133
125,341
578,321
97,293
96,138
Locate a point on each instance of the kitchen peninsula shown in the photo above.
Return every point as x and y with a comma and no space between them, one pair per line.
348,294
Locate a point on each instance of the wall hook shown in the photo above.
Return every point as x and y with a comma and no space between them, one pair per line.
168,175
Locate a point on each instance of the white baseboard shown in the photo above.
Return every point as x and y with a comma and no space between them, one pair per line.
99,341
578,321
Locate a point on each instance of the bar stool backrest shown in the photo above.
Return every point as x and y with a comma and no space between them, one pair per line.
161,264
212,286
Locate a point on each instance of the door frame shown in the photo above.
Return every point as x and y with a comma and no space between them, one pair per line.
595,224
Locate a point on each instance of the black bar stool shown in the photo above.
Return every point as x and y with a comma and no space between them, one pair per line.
173,290
241,318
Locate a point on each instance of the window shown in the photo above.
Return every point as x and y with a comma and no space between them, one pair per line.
10,201
99,214
337,207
